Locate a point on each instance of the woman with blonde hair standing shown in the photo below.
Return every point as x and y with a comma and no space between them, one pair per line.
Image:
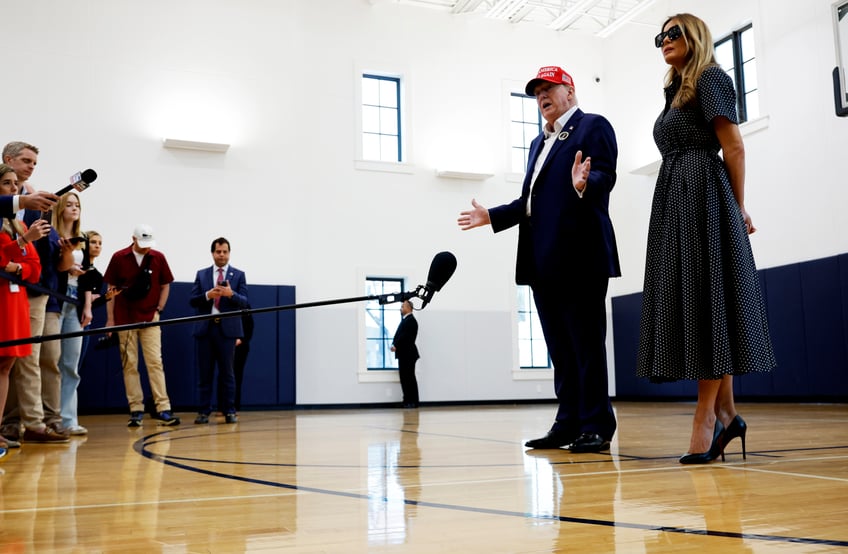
66,220
703,316
20,263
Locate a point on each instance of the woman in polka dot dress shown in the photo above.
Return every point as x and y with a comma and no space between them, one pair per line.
703,316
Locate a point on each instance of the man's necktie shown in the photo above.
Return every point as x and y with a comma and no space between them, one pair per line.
220,280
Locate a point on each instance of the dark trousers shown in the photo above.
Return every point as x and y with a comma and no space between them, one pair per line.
574,321
408,383
216,349
239,361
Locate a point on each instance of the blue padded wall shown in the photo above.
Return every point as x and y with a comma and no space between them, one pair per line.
269,375
625,321
807,305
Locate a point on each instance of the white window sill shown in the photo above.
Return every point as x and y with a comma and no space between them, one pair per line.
754,125
379,376
390,167
532,374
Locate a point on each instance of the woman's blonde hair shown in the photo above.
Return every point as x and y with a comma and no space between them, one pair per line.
700,54
60,209
11,226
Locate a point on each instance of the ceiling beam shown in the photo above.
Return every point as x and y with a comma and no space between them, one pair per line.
465,6
566,18
620,21
506,9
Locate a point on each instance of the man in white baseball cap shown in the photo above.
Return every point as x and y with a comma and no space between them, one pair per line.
143,277
144,236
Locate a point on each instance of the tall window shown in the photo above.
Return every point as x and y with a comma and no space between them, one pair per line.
532,350
735,53
381,321
526,124
381,132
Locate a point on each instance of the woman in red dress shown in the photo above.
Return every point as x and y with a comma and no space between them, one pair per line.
19,260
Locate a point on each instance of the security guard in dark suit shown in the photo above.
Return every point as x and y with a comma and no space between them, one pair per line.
403,345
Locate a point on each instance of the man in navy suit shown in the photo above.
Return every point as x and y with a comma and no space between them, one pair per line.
406,352
567,253
217,289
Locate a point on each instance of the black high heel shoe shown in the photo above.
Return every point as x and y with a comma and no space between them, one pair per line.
716,448
737,428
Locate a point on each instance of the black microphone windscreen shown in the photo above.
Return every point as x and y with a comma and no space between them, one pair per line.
441,269
89,176
79,182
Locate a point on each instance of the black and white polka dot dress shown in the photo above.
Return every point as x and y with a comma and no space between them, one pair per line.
702,314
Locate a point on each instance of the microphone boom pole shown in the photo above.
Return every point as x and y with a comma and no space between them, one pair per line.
382,298
441,269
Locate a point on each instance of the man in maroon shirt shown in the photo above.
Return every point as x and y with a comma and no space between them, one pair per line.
143,278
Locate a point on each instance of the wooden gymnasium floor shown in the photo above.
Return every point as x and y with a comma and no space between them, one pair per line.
436,479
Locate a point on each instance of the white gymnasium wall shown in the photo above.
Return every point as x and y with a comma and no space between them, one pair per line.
794,185
98,83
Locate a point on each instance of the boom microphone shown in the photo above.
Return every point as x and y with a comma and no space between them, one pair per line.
441,269
79,181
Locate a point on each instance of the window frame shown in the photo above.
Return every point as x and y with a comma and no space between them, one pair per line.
735,39
510,90
396,80
532,313
512,142
385,340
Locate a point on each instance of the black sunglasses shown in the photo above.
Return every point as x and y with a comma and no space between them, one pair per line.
673,34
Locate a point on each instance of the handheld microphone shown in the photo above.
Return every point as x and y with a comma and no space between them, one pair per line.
79,182
441,269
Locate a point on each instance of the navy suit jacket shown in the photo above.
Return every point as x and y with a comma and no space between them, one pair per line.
203,281
404,339
6,206
566,238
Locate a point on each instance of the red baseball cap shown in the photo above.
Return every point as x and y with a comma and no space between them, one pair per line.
551,74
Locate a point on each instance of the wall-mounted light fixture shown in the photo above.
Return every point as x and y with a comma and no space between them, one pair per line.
467,175
195,145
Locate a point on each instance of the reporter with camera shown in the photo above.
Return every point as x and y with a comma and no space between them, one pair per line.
144,278
218,288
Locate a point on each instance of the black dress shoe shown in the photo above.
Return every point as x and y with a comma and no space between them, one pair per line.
589,442
201,419
554,439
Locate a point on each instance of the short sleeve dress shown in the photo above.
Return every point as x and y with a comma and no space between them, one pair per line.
703,315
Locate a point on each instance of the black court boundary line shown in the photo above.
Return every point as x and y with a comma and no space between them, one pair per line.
532,453
140,446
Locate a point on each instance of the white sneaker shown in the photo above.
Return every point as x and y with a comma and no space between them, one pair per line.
77,430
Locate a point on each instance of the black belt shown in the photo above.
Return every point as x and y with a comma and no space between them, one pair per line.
216,320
